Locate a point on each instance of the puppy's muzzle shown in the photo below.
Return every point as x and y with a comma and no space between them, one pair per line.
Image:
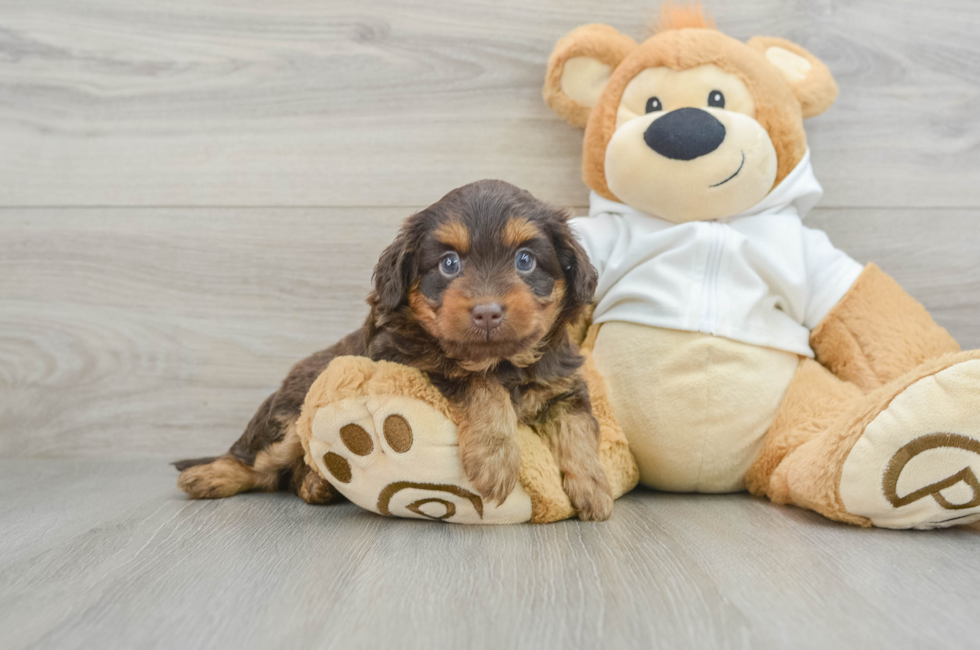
685,134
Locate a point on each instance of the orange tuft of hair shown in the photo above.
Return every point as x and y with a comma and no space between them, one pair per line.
683,16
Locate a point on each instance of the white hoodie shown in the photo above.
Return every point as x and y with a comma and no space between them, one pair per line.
759,277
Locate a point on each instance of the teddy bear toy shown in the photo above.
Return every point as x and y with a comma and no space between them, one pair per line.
740,348
731,347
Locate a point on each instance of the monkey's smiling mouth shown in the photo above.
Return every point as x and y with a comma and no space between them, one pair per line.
733,175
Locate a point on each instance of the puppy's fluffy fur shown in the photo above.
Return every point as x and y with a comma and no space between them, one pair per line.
486,246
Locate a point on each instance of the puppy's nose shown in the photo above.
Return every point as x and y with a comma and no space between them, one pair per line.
685,134
487,316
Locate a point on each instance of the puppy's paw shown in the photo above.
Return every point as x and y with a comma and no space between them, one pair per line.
315,490
223,477
590,494
492,465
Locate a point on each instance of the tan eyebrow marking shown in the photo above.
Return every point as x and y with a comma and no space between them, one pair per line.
519,230
454,233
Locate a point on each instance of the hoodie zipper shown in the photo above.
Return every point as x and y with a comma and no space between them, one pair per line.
709,286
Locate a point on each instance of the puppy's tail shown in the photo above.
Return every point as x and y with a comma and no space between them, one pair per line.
187,463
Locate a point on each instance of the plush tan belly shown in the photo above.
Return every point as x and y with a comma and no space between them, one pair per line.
695,407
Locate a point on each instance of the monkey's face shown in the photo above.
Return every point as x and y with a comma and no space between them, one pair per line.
690,124
687,145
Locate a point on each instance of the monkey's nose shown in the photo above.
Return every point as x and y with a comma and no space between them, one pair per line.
487,316
685,134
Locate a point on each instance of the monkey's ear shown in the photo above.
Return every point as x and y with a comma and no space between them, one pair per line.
810,80
579,69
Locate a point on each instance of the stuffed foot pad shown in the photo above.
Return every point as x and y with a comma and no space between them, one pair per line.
398,456
918,462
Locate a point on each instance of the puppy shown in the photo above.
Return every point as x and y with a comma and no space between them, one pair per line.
477,291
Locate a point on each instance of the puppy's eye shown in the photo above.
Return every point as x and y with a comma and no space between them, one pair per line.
524,261
716,99
654,104
449,265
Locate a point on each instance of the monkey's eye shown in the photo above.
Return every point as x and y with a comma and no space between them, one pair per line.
449,265
524,261
654,105
716,99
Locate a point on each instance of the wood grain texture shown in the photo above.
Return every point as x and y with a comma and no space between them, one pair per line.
298,103
133,333
111,555
128,333
140,331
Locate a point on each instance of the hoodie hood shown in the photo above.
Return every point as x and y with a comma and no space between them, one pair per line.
760,277
796,195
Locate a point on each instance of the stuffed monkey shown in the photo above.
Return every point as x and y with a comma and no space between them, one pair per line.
740,349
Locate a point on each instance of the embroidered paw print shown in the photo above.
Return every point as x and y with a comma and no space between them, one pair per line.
358,441
398,456
917,464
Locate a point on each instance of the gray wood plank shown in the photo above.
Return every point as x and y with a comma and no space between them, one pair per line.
128,333
111,555
395,102
131,332
932,253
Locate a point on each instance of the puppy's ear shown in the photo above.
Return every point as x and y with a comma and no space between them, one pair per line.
580,276
393,272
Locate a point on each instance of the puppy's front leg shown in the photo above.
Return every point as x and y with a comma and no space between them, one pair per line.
487,426
573,435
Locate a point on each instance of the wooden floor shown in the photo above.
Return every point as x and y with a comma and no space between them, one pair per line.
108,555
192,197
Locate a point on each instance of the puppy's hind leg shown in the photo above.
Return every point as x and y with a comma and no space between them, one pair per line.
223,476
268,457
233,472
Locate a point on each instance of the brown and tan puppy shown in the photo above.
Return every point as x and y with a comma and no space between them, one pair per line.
477,291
